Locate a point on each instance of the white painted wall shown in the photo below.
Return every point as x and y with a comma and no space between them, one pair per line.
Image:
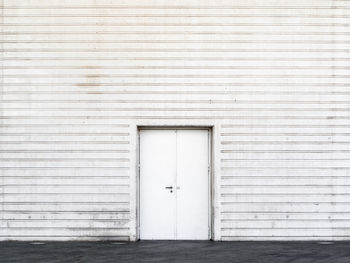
270,76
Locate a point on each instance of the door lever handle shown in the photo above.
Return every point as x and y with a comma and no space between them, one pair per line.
169,188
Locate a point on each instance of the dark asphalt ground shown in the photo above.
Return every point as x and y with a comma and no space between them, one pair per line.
175,251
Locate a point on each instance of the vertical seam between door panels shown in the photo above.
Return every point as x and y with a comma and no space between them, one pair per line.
175,186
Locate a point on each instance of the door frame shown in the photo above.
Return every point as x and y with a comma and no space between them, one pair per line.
211,215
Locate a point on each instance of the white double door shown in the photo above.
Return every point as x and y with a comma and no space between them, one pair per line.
174,184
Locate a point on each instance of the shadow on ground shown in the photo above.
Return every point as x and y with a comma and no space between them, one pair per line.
175,251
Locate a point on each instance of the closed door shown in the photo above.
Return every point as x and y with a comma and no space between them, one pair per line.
174,184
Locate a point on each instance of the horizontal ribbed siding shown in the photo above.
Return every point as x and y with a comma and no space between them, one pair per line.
79,76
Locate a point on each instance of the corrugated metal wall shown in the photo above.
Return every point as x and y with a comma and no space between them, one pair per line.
271,76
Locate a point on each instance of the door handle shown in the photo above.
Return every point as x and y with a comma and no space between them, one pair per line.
169,188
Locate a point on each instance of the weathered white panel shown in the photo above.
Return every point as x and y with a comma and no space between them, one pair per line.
271,76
